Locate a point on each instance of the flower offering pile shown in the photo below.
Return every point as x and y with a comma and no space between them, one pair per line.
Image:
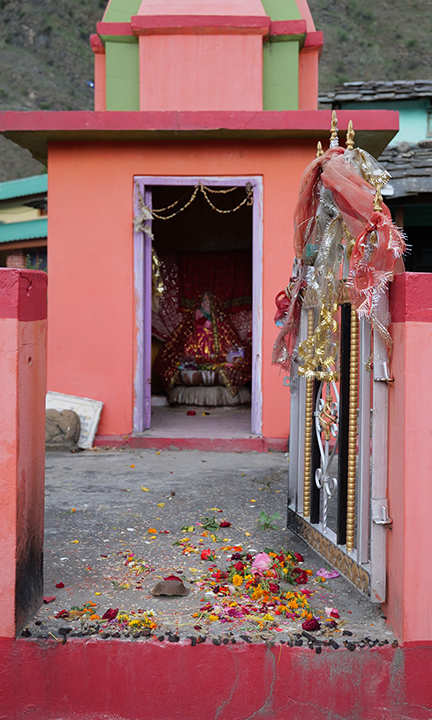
264,589
111,620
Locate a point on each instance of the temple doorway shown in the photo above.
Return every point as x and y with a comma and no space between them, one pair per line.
198,278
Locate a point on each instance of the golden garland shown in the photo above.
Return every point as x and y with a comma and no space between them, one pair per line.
155,214
317,355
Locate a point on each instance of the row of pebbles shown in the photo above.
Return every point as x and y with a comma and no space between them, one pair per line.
295,640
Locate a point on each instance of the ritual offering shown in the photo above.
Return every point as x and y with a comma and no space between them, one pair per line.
333,319
343,232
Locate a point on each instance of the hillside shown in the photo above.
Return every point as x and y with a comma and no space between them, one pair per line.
45,64
46,61
369,40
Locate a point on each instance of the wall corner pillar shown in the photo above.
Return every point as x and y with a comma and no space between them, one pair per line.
23,312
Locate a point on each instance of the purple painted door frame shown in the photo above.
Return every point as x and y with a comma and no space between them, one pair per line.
142,275
143,303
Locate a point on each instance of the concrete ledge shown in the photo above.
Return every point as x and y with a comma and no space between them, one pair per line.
204,444
33,130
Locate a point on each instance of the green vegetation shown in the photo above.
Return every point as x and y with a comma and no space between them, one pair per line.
267,522
366,40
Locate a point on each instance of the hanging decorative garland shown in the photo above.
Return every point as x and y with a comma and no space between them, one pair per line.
142,220
340,223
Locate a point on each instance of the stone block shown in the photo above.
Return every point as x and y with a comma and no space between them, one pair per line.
62,429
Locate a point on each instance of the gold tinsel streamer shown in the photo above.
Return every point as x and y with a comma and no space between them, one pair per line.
318,359
158,288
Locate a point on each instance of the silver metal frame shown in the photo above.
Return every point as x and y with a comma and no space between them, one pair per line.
323,480
371,510
379,512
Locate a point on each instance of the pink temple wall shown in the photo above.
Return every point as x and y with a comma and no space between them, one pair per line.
198,7
306,15
100,81
91,341
409,541
210,84
308,79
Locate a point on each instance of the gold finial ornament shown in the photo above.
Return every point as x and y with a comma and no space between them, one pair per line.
350,136
377,206
334,140
320,150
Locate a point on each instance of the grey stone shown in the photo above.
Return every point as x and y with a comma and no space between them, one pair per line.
62,429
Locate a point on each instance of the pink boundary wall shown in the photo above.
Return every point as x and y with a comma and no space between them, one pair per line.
23,311
409,541
101,679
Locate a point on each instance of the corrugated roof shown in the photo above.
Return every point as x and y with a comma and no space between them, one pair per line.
29,230
378,90
24,187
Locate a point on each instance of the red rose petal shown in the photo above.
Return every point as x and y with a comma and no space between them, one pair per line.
311,624
224,523
62,613
110,614
60,585
191,412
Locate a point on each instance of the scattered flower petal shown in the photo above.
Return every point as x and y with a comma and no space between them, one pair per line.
332,612
311,625
261,563
327,574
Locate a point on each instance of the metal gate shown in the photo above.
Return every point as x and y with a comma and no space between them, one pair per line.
338,453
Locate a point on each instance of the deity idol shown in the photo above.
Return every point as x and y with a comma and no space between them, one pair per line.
205,341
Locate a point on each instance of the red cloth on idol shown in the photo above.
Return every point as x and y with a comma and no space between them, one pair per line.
204,341
228,273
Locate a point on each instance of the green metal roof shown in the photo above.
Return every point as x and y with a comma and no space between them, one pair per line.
34,185
27,230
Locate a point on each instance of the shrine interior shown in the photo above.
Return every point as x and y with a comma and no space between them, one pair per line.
201,308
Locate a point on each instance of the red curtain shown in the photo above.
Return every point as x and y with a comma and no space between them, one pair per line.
228,275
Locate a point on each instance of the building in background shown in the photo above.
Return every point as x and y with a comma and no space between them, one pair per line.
408,157
24,223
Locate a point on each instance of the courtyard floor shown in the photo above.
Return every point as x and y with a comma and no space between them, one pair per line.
118,522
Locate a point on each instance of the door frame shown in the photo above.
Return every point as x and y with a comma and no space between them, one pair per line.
142,289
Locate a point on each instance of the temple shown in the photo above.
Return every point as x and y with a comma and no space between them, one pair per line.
170,216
